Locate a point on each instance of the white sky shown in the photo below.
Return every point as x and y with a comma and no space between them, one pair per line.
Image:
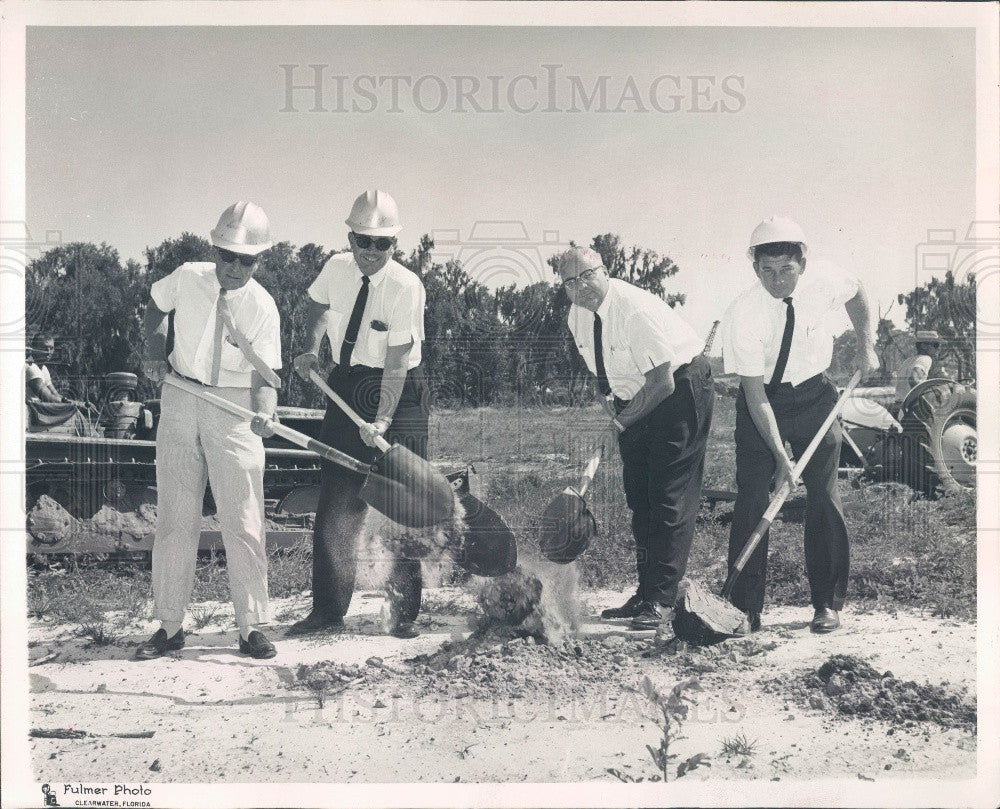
867,137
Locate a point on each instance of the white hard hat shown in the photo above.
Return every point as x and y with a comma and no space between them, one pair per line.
243,228
776,229
578,259
374,214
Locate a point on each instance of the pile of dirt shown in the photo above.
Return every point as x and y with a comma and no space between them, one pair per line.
501,663
852,687
328,677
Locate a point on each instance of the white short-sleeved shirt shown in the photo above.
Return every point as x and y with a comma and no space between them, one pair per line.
639,332
192,293
34,371
755,321
393,316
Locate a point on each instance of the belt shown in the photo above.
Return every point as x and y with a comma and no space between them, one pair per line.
175,372
621,404
788,387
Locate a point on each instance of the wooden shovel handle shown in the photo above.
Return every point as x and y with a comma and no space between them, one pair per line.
380,442
779,497
301,439
590,470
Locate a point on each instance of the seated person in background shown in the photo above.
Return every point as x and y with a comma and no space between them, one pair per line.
38,382
922,366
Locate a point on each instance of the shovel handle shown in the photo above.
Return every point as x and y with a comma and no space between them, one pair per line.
590,470
301,439
380,443
779,497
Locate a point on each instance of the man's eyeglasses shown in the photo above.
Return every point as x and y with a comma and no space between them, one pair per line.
229,257
583,278
381,243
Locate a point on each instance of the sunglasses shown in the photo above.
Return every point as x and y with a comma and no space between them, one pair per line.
381,243
229,257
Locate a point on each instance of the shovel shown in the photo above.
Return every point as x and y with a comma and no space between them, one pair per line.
701,617
397,487
779,497
488,546
567,525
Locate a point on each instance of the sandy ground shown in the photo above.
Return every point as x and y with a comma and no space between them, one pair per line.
516,712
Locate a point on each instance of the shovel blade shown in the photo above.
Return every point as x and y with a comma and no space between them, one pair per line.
566,528
703,618
488,547
408,490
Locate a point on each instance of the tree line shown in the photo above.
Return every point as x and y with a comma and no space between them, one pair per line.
483,346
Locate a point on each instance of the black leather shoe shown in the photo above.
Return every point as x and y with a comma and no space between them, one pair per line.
405,629
648,616
159,645
315,622
629,609
825,620
256,645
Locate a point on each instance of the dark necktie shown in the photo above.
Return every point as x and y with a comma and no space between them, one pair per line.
351,335
602,373
786,345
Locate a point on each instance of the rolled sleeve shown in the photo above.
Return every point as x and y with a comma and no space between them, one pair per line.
164,291
319,289
742,345
406,325
649,343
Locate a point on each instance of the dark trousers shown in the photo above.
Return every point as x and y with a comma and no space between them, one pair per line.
800,413
341,511
663,458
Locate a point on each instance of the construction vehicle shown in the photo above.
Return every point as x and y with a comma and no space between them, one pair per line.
931,444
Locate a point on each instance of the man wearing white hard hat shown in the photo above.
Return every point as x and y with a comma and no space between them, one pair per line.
777,337
371,308
227,339
658,387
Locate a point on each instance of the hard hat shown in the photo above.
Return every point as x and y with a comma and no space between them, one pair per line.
577,259
374,214
927,337
776,229
243,228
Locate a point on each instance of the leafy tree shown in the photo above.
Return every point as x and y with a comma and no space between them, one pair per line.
92,306
948,307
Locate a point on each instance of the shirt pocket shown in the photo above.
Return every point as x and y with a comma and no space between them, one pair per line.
378,343
232,358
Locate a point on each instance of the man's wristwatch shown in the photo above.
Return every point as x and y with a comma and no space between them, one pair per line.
618,425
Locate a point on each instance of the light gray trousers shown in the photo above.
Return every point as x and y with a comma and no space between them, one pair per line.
197,442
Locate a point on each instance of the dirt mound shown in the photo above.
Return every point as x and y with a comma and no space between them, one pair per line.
509,600
851,686
501,664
